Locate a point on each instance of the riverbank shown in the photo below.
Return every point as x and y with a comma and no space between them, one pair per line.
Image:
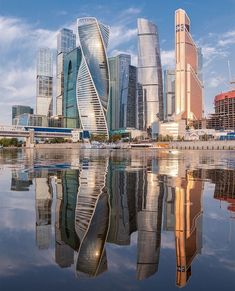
203,145
180,145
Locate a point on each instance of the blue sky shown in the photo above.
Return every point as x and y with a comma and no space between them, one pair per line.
25,25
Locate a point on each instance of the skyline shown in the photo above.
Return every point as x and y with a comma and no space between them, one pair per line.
23,31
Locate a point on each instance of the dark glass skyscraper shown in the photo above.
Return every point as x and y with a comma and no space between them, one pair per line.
72,63
122,103
66,42
169,94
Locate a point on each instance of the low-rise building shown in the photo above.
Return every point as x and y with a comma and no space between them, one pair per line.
174,129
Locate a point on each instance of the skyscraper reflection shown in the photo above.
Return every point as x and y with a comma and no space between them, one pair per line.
92,217
188,228
224,180
119,232
20,181
149,226
104,200
65,234
43,202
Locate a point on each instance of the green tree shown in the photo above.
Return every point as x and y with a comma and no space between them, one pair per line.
10,142
98,137
115,138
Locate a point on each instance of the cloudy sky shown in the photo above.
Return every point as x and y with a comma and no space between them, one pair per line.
26,25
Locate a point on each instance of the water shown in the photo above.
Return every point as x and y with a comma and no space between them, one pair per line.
117,220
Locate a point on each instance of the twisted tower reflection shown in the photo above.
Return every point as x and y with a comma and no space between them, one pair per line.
92,217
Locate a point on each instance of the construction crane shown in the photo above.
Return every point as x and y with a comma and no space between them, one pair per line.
231,81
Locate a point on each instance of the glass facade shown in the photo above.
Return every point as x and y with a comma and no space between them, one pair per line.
44,92
122,103
169,94
66,42
93,76
72,63
92,217
131,98
20,109
188,86
31,120
149,75
200,64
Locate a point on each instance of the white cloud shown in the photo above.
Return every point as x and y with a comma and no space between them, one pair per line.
217,50
227,39
168,58
19,42
17,32
11,29
215,82
120,35
134,57
123,30
127,16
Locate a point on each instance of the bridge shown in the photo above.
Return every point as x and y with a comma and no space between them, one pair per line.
32,132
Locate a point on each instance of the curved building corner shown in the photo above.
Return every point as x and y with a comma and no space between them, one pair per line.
93,76
150,87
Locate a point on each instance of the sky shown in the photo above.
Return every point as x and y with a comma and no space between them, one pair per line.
27,25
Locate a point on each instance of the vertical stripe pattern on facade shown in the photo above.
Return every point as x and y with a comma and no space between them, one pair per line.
93,76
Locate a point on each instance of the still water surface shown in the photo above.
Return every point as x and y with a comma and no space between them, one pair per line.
119,220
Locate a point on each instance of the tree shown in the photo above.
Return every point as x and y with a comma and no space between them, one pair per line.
98,137
149,131
10,142
57,140
115,138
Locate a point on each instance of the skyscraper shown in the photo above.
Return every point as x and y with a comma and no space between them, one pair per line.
188,96
44,92
122,103
66,42
93,76
18,110
200,64
130,119
169,94
150,88
72,62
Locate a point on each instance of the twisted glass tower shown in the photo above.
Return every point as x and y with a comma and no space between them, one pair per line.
93,76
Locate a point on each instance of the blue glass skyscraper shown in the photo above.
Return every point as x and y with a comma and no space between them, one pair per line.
72,62
66,42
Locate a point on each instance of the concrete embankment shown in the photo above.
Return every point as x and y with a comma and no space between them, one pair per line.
181,145
58,146
203,145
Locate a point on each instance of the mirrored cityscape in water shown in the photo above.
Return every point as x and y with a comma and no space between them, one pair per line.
91,204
